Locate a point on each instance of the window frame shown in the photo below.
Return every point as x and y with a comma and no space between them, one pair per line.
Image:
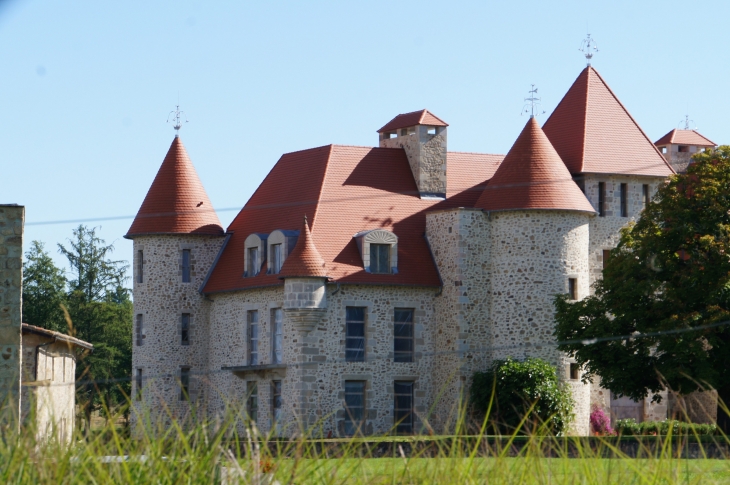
381,250
277,335
404,355
138,379
185,383
624,199
185,328
351,425
646,198
574,371
276,404
355,353
398,422
275,258
252,336
185,265
601,199
139,330
573,289
252,401
606,256
140,266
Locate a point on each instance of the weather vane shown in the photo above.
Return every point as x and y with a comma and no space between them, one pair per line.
177,116
533,103
588,47
687,122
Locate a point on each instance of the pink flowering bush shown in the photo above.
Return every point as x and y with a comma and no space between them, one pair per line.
600,422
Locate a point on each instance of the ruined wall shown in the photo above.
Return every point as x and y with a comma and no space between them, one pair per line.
161,298
11,291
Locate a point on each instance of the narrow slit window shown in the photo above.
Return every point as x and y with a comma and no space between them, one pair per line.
138,384
139,336
645,195
140,266
185,384
354,407
253,337
186,266
606,257
185,329
573,288
276,401
355,334
277,337
624,200
252,401
253,262
403,406
403,335
275,258
380,258
602,199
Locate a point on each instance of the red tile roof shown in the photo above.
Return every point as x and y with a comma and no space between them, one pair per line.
344,190
405,120
304,260
685,137
593,132
532,176
176,203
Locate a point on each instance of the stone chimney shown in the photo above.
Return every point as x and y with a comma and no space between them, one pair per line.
423,137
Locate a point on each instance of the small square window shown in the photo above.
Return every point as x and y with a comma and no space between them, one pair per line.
380,258
683,149
574,371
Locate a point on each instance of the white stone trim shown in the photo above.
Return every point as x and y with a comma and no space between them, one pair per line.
377,236
254,241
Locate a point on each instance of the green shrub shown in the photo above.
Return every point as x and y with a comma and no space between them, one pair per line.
522,387
629,427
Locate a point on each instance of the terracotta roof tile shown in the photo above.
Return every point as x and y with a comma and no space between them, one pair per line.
176,203
684,137
532,176
304,260
594,133
422,117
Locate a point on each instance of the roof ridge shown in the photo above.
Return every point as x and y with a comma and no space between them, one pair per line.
632,119
479,153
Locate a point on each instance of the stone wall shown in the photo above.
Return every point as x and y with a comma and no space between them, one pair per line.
426,155
11,291
161,298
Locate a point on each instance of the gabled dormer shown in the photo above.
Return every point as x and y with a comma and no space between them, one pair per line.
423,137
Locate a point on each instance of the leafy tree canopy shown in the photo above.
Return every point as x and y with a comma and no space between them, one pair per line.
44,289
669,274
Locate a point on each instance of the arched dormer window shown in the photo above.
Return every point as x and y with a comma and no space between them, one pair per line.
255,254
379,251
281,243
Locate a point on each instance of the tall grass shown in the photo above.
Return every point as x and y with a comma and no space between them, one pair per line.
208,452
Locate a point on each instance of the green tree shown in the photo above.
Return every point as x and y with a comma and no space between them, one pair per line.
670,272
44,290
101,313
519,390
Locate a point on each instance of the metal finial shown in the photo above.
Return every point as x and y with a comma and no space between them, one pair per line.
687,123
533,103
588,47
177,116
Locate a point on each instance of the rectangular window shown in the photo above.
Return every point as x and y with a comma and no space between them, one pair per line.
185,329
275,258
380,258
354,407
573,288
606,257
186,266
185,383
276,401
277,335
138,330
683,149
253,337
403,406
252,401
140,266
574,371
624,200
602,199
253,262
403,335
355,334
645,195
138,383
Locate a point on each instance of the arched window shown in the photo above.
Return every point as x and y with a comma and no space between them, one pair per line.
255,254
379,251
281,243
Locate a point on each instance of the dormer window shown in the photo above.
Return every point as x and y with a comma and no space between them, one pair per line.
255,254
379,251
281,243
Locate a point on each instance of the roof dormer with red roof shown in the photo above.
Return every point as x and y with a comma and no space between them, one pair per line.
176,203
423,137
678,146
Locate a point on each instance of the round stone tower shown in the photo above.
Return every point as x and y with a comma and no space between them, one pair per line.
177,236
539,248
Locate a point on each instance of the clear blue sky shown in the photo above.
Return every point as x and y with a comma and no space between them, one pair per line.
86,86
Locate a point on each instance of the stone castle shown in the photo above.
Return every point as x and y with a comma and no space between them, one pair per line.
360,288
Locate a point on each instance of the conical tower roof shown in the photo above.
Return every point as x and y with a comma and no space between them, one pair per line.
532,176
304,260
594,133
176,203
